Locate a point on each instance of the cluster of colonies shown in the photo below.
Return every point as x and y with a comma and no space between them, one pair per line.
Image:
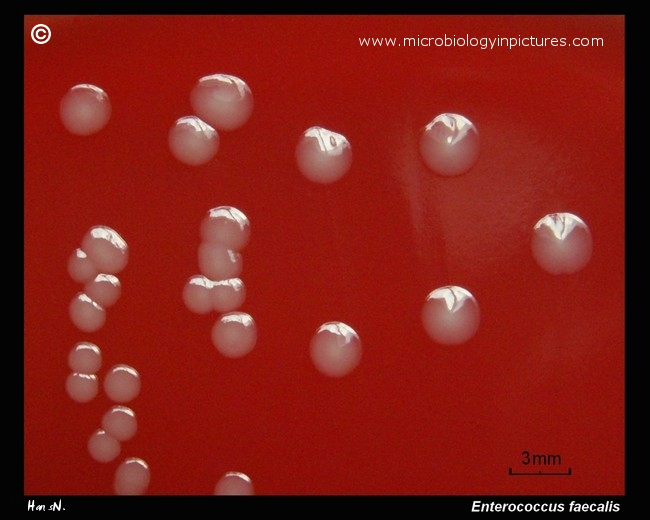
561,242
221,102
103,253
122,382
224,232
225,103
449,145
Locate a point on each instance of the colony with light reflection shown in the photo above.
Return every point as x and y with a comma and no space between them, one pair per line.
449,146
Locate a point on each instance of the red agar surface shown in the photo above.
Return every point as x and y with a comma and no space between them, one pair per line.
544,373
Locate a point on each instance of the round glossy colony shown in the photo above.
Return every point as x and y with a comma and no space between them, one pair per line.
234,334
192,141
85,109
561,243
81,387
107,250
323,156
450,315
224,101
86,314
227,226
122,383
449,145
120,423
103,447
85,357
197,294
234,483
105,289
335,349
81,268
132,477
217,262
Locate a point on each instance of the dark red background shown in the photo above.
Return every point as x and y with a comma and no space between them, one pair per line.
545,372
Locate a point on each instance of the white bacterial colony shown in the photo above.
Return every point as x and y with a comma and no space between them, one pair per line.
335,349
223,101
234,334
193,141
561,243
323,156
85,109
120,422
449,144
103,447
81,387
132,477
122,383
234,483
450,315
203,295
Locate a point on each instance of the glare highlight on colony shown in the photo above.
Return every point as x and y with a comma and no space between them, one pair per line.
561,243
335,349
450,315
222,100
449,145
132,477
193,141
323,156
234,483
85,109
234,334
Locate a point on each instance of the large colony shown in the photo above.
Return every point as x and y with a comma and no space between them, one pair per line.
449,146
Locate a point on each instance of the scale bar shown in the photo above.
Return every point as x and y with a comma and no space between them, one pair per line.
539,473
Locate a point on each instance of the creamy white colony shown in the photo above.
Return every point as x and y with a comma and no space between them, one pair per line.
323,156
85,109
450,315
449,144
335,349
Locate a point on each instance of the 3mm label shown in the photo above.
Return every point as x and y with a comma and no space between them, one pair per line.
540,464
